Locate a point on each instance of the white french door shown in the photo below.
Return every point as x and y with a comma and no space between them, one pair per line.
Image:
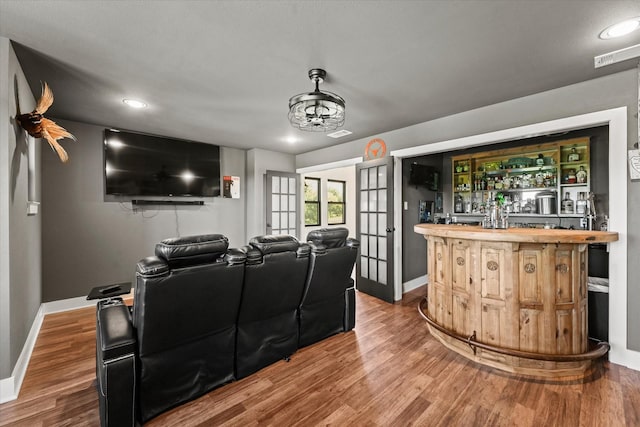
282,203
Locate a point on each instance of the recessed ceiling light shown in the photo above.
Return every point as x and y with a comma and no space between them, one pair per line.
339,133
291,139
620,29
134,103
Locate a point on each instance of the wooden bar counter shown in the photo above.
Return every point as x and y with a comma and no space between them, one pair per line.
514,299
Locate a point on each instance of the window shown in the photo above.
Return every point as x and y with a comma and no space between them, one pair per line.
335,202
312,201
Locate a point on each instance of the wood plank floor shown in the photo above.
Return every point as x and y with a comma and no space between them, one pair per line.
388,372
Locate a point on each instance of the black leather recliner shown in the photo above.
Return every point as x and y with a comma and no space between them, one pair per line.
185,310
328,301
275,275
204,315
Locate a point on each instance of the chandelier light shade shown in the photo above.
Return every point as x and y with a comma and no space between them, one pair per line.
317,111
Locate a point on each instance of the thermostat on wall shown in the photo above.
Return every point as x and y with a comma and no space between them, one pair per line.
33,208
634,164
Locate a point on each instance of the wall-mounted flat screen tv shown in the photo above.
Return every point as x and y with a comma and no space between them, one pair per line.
137,164
426,176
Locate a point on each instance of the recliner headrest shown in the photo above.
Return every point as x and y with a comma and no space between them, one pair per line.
329,237
192,250
272,244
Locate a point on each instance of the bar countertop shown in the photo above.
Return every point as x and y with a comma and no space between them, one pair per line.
526,235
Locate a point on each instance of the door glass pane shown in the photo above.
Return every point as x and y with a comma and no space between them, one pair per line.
373,247
372,224
372,178
292,220
364,227
283,220
275,184
292,203
364,201
292,186
382,272
382,200
382,176
364,267
275,231
382,244
292,232
364,181
364,244
275,202
373,201
373,275
283,185
275,220
382,224
283,202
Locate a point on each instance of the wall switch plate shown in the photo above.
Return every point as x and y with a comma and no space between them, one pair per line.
33,208
406,206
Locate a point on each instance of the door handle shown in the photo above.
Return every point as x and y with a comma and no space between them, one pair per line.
389,230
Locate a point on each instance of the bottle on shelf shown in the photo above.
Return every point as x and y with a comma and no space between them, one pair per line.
581,175
573,156
581,203
567,204
540,160
458,206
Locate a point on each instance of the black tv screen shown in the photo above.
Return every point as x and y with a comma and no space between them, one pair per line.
137,164
424,175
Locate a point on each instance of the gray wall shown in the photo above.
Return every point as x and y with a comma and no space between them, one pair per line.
414,246
612,91
258,163
20,241
88,241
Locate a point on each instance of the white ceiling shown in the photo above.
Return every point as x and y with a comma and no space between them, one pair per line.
223,71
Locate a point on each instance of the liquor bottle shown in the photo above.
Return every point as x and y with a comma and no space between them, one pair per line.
581,203
573,156
567,204
458,207
581,175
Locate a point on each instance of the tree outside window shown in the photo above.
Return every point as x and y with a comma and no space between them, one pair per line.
335,202
311,201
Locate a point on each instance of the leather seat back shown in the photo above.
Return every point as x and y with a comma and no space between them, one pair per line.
274,280
324,309
185,310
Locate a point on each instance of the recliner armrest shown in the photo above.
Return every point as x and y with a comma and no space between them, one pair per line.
353,243
115,329
115,364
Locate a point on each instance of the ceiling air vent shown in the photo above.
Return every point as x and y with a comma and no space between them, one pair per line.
339,133
630,52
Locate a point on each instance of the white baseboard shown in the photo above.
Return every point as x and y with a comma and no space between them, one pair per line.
625,357
10,387
67,304
414,283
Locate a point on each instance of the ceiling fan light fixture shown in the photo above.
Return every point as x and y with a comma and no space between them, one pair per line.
620,29
317,111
